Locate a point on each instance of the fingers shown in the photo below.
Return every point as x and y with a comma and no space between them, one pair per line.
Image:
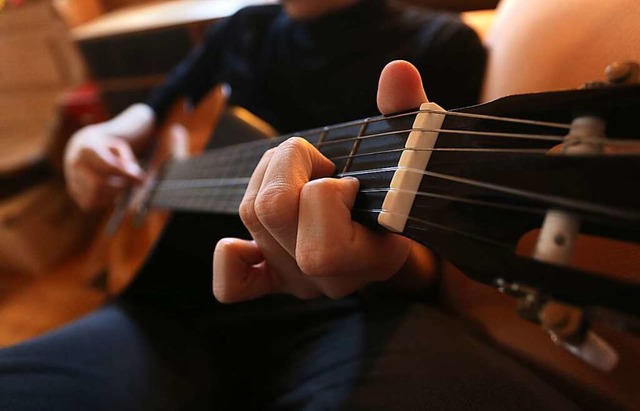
305,242
293,164
400,88
179,142
98,167
240,271
113,158
269,208
279,260
92,190
331,244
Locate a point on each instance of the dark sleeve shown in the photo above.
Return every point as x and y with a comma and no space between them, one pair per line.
194,76
452,60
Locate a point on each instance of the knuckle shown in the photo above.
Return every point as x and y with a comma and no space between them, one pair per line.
318,261
273,206
294,145
318,189
248,214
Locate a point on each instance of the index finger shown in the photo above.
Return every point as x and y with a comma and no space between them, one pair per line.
294,163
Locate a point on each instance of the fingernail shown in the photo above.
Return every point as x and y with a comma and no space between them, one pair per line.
134,169
351,180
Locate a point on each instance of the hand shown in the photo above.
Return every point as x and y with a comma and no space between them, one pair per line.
304,241
99,160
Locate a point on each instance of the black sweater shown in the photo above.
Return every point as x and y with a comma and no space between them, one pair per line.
298,75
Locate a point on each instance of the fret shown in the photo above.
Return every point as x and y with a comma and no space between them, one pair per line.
338,143
218,196
356,144
323,136
215,181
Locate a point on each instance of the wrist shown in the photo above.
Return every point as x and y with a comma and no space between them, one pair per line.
135,125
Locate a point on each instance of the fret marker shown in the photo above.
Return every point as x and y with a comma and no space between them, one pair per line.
405,183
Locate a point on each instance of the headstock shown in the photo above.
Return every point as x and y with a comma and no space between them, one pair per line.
514,188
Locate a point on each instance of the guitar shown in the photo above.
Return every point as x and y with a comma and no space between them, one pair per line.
475,184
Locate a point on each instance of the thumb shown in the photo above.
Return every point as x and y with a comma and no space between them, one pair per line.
179,141
117,158
400,88
239,271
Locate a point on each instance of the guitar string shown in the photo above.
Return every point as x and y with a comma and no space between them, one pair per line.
558,200
508,135
172,183
541,137
250,153
497,118
238,193
447,149
203,193
242,159
373,120
438,112
228,206
221,160
491,204
426,223
431,224
547,198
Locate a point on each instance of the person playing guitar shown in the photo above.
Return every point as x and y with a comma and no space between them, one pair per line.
160,347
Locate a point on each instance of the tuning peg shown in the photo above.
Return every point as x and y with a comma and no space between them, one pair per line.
619,72
625,72
568,327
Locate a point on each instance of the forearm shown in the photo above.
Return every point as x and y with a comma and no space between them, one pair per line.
135,124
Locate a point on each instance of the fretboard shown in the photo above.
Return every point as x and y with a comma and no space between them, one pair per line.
215,181
488,183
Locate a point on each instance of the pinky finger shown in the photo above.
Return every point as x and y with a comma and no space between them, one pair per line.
240,271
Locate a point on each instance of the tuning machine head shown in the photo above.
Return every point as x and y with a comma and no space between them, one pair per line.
626,72
617,73
568,326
